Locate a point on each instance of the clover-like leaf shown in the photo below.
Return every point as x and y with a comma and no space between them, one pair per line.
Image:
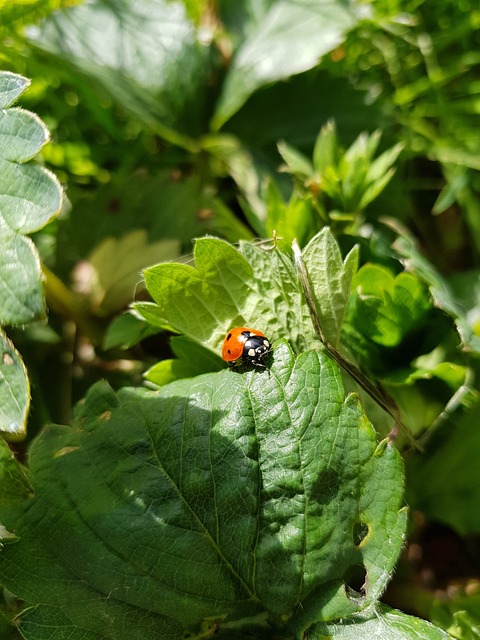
14,390
30,196
227,501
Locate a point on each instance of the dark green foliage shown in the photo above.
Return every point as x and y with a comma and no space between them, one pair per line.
184,499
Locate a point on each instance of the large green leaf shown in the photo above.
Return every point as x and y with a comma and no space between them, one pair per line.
232,500
145,54
288,38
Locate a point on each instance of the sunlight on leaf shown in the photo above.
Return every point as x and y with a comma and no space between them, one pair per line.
218,498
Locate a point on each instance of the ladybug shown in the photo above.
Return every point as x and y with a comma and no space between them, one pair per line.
246,345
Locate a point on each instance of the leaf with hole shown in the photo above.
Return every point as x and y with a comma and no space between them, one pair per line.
234,499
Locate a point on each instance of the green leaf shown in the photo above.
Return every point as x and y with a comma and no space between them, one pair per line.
14,482
226,290
440,290
443,484
226,498
8,630
127,330
30,196
192,359
382,623
21,293
459,615
110,275
380,173
295,219
331,280
135,51
387,307
141,201
14,391
12,86
288,39
326,152
297,163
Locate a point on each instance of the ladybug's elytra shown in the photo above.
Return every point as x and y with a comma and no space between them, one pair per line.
247,345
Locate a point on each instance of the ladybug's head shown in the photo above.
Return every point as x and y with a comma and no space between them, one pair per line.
255,349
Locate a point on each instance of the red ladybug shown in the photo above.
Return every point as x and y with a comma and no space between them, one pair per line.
246,345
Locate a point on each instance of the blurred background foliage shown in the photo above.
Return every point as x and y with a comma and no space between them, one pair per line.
171,120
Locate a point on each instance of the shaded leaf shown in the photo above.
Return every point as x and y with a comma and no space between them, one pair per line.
439,288
135,51
443,485
388,307
127,330
191,360
218,498
311,29
14,391
110,277
14,482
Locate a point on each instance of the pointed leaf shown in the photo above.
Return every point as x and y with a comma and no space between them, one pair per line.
297,163
331,281
225,290
326,150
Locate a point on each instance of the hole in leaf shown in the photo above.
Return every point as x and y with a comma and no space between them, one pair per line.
355,580
360,532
